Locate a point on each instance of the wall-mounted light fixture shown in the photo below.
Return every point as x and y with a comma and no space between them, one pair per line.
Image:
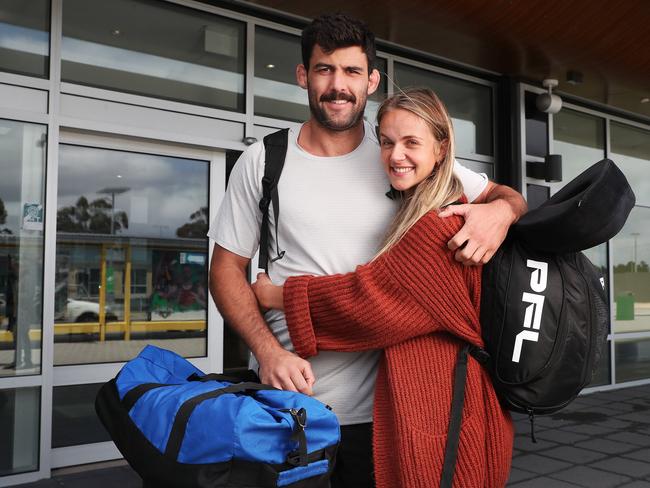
550,170
549,102
249,140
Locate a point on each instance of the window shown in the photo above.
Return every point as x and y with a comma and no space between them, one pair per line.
276,92
131,256
74,420
22,165
139,281
580,139
536,127
25,37
631,254
469,104
631,152
631,247
155,48
632,359
20,412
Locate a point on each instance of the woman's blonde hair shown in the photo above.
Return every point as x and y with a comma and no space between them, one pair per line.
440,188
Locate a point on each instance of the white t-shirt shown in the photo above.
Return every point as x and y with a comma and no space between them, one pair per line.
333,216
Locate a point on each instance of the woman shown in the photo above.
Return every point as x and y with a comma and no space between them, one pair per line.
416,303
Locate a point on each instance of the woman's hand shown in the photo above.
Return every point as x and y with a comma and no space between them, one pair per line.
268,295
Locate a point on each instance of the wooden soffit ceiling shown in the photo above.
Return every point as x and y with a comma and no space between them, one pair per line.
608,42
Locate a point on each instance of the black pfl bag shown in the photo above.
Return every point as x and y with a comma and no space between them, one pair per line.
544,321
544,307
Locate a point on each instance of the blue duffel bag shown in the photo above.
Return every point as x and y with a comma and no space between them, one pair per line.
178,427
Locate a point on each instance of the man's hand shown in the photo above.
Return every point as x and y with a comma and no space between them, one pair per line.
487,221
268,295
486,226
285,370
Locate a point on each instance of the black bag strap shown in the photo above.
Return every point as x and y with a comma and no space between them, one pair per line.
299,457
456,413
275,152
233,377
134,394
185,411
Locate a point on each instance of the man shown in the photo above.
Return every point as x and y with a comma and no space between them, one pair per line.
334,215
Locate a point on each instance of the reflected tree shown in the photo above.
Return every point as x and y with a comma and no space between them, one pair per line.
91,217
641,267
197,226
3,218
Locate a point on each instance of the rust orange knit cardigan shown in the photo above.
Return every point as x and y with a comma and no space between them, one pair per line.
412,302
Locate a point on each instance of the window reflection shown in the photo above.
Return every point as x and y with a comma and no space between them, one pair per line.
183,54
469,104
74,420
580,139
276,92
22,166
25,36
631,251
131,254
632,359
631,152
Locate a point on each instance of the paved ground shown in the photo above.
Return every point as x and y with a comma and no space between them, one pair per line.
600,441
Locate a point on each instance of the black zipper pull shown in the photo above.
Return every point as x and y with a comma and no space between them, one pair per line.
531,417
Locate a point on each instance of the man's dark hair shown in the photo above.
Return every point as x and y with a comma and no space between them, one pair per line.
334,31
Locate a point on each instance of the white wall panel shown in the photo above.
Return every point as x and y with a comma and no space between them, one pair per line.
108,116
23,99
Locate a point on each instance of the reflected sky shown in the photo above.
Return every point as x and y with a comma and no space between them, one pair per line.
24,39
109,57
286,92
22,163
575,158
637,172
636,231
163,191
93,54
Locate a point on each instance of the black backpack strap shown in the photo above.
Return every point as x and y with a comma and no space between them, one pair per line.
456,413
248,376
275,151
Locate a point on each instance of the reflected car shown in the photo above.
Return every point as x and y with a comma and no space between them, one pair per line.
85,311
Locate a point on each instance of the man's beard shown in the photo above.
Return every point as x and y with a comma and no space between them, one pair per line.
337,125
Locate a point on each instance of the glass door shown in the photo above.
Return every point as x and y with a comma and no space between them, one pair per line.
131,269
23,152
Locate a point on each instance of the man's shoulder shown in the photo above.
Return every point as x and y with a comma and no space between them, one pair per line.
254,151
250,163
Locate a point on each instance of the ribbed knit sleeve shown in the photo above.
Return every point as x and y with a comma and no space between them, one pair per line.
414,289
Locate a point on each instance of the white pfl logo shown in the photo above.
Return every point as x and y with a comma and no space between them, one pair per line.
533,315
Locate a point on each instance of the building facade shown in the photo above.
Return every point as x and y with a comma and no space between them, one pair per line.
119,124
